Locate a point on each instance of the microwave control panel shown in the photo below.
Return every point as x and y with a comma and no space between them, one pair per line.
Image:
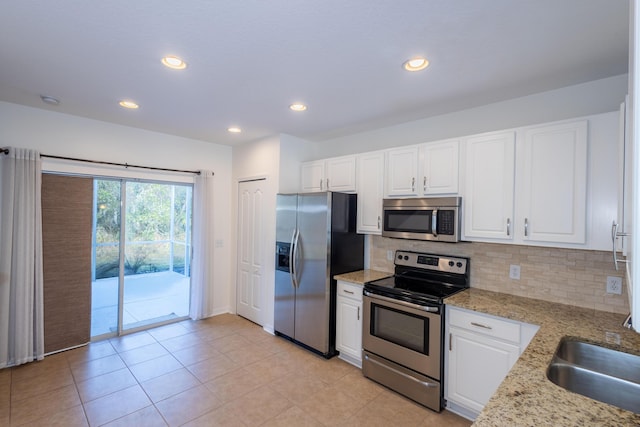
446,222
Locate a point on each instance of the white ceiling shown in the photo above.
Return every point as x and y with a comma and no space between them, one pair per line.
249,59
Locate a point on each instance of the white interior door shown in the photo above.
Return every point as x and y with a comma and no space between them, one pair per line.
250,277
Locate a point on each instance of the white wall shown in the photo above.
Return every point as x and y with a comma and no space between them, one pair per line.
260,159
278,160
293,151
59,134
594,97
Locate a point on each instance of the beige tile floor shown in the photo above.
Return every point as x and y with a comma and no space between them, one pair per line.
223,371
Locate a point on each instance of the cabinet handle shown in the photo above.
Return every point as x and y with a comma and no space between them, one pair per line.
358,313
614,237
378,222
450,348
508,226
424,184
320,184
413,184
480,325
327,183
347,292
526,227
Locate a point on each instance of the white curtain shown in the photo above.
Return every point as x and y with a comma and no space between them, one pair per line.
21,282
201,270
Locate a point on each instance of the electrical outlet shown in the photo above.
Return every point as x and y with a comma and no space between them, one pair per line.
389,255
514,272
614,285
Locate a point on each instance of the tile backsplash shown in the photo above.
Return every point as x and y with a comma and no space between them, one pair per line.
566,276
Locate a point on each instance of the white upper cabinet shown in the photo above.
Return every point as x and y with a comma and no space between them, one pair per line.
440,172
553,200
423,170
335,174
370,182
402,172
489,183
313,178
341,174
528,187
554,184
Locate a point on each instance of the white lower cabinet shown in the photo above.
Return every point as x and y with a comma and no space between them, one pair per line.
480,351
349,322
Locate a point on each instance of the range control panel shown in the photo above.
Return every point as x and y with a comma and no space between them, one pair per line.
434,262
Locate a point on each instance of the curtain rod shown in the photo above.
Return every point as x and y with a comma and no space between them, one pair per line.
126,165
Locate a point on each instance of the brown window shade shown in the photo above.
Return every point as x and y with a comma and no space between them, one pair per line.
67,208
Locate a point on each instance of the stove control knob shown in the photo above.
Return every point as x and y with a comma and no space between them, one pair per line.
406,257
450,263
459,264
399,256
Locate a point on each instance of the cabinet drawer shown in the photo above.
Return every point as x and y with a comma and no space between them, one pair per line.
350,290
486,325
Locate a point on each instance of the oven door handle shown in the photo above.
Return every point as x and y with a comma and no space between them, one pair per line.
402,374
407,304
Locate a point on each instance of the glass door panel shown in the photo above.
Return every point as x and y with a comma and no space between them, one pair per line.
141,256
106,257
156,286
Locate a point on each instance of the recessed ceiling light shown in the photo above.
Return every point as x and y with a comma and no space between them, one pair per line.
234,129
50,100
298,107
416,64
174,62
129,104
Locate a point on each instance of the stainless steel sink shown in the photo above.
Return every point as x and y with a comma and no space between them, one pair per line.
597,372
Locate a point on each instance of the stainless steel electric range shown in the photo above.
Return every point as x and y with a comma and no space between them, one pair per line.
403,326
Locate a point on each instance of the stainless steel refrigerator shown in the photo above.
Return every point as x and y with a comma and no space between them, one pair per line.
315,239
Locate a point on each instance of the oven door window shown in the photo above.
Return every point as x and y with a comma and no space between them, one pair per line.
401,328
409,221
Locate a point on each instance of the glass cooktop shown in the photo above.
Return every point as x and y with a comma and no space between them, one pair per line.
409,287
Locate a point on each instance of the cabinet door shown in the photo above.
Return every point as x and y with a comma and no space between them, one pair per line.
312,177
440,168
370,192
341,174
402,171
349,327
477,366
489,184
554,175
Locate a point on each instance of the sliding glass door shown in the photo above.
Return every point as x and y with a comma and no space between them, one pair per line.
142,255
105,265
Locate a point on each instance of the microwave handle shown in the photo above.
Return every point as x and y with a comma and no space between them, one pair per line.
434,223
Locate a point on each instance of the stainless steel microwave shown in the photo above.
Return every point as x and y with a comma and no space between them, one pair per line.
425,218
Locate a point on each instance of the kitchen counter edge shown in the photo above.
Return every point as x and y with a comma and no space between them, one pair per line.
361,277
526,397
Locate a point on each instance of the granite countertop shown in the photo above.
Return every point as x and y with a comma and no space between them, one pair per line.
360,277
526,397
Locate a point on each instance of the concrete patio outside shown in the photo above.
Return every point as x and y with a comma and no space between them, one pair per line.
148,298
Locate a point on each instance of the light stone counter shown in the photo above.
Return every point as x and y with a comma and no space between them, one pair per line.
526,397
362,276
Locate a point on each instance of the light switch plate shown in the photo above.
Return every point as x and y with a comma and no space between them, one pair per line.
514,272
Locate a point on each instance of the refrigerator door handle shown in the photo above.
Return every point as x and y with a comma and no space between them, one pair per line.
292,267
294,258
